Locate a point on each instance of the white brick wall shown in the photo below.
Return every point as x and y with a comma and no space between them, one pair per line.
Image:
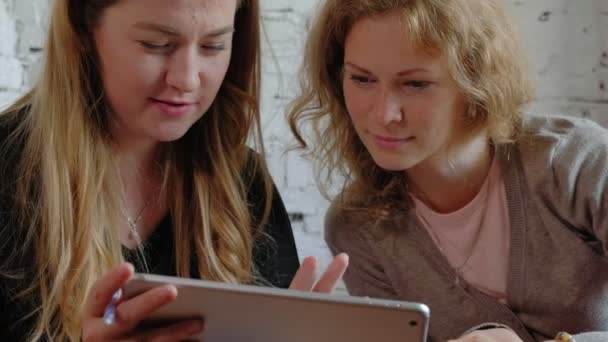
11,69
567,41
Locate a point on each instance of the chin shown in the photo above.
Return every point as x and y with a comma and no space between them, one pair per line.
171,135
392,164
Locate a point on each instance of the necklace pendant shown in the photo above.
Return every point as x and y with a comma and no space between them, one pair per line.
133,233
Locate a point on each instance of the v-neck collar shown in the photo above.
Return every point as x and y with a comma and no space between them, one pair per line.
513,177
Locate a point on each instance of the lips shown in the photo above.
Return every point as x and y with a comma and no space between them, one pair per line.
173,102
390,139
172,108
391,142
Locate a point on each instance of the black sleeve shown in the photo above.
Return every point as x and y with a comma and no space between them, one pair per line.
274,251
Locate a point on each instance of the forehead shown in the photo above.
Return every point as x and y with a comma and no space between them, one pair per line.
185,15
385,40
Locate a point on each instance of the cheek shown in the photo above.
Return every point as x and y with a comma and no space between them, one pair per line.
126,74
212,75
357,103
432,125
216,69
127,89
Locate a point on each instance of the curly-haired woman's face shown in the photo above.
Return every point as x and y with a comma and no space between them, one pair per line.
162,63
402,102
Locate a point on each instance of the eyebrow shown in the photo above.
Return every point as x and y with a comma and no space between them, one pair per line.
400,73
148,26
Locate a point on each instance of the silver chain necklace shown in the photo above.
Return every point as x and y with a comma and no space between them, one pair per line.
458,269
134,232
132,223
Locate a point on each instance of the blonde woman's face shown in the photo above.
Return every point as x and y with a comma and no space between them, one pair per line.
162,63
402,102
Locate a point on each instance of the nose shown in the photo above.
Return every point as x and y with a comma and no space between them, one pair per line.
183,72
388,108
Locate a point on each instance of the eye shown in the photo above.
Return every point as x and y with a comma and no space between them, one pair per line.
155,46
361,79
417,84
214,47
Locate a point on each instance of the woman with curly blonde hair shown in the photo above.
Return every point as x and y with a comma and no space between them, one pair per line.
451,196
132,146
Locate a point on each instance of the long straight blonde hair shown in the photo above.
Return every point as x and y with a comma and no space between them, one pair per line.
65,192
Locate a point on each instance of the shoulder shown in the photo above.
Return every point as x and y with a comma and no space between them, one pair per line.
265,203
561,154
558,133
556,141
254,173
257,182
12,140
11,146
347,224
274,250
9,124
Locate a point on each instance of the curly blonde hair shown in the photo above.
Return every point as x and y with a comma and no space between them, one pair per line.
484,57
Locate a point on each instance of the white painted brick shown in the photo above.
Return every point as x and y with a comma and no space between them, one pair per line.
563,41
11,73
7,98
31,20
299,170
597,111
306,200
8,35
276,161
311,245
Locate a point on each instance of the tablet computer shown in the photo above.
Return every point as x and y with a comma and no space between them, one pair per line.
249,313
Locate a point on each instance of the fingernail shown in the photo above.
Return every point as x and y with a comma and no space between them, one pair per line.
109,314
171,290
130,267
116,296
311,259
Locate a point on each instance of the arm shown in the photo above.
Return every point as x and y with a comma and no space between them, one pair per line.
274,251
578,185
345,232
577,189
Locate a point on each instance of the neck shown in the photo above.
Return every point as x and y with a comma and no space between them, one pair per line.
135,154
137,162
141,194
452,178
136,158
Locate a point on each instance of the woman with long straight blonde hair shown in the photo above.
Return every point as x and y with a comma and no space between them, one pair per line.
498,221
131,146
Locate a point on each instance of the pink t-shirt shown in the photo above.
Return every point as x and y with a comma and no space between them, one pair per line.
485,218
